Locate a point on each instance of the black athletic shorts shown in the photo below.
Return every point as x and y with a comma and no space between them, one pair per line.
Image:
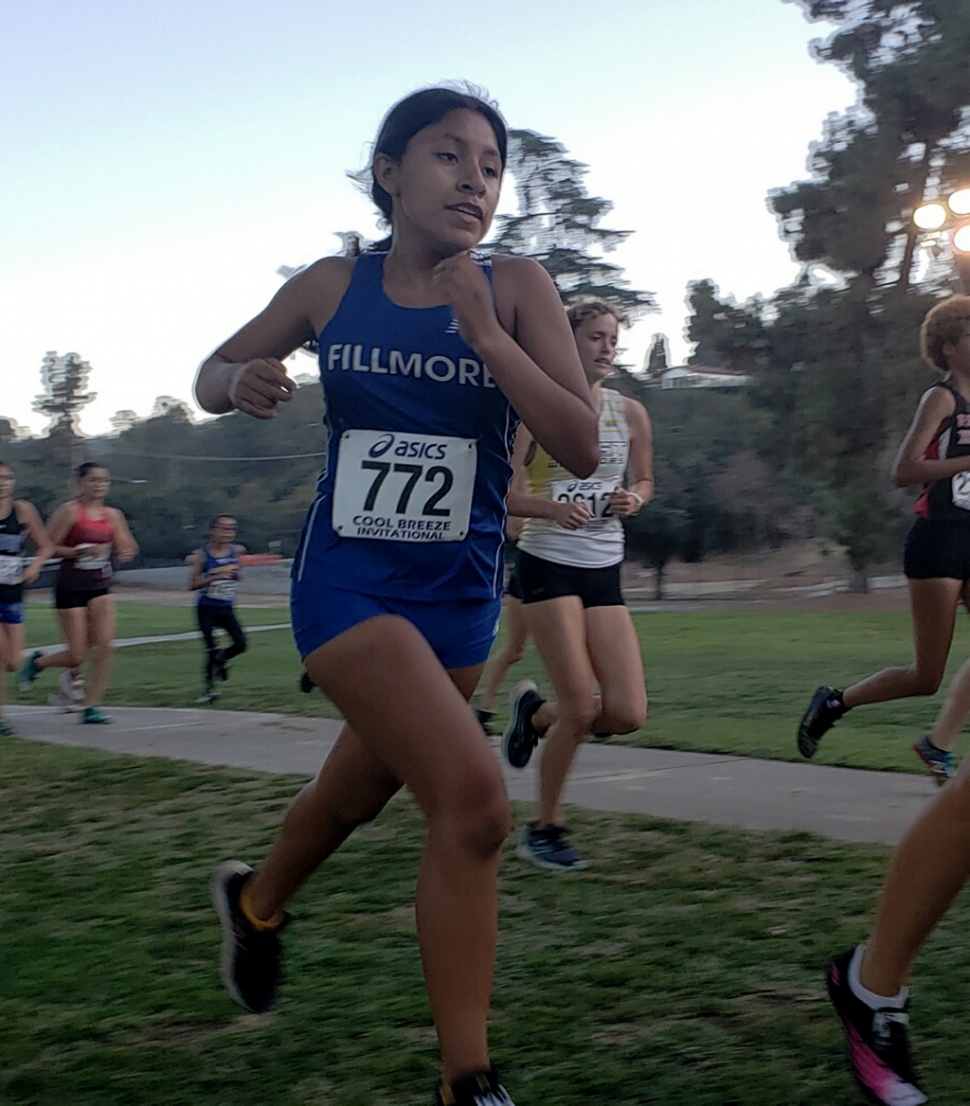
66,599
937,550
540,580
513,586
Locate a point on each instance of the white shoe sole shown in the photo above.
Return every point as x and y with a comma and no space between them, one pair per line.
221,902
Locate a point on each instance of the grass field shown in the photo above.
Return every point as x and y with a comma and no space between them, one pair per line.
719,681
684,969
140,620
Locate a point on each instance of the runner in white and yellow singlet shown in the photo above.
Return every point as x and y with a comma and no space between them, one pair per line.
570,553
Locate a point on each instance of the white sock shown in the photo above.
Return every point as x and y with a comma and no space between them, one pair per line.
874,1001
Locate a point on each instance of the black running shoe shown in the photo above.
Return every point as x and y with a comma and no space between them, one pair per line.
825,709
252,965
485,719
482,1088
520,736
876,1042
306,684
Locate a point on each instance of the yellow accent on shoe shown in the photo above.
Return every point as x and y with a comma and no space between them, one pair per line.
261,925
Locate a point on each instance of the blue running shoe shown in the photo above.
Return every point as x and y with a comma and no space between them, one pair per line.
29,672
941,762
548,847
92,716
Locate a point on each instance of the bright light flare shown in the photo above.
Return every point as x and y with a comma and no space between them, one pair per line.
930,216
961,239
960,202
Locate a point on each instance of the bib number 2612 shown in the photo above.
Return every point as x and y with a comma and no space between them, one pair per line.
403,487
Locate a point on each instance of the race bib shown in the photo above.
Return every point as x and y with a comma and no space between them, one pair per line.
92,564
11,570
960,483
403,487
223,590
594,494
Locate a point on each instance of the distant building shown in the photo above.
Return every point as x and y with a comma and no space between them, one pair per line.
702,376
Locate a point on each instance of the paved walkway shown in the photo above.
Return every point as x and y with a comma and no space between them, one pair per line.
842,803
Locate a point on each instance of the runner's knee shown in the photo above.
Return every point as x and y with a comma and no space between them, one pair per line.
578,715
623,717
478,817
925,683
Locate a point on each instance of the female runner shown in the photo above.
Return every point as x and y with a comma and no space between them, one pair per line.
936,559
570,553
87,535
426,352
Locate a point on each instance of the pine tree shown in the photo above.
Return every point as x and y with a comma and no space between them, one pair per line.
658,356
558,225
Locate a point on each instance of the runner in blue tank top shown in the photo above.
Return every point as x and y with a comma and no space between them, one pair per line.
214,573
427,356
19,520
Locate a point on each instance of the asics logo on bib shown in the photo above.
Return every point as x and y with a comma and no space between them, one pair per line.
437,368
584,485
431,451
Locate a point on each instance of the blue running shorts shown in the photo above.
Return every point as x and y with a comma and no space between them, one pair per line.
460,632
11,614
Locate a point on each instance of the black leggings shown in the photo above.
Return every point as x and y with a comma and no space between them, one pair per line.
218,616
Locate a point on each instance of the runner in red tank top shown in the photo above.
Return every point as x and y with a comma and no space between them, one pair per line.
86,536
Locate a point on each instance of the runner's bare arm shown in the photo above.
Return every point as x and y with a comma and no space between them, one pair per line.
59,526
519,503
43,546
197,578
524,338
910,466
627,501
125,546
247,372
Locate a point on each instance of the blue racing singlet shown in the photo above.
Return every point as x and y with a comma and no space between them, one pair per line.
411,501
222,590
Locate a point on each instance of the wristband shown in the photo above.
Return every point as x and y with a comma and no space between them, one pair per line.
639,498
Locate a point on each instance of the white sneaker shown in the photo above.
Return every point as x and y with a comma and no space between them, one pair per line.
68,696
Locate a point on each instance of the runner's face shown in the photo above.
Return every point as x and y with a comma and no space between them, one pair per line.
447,184
596,341
95,483
224,530
6,482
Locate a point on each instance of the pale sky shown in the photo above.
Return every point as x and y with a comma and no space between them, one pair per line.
160,161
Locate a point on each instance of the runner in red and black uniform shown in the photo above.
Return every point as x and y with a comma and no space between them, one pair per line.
868,984
86,536
936,557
